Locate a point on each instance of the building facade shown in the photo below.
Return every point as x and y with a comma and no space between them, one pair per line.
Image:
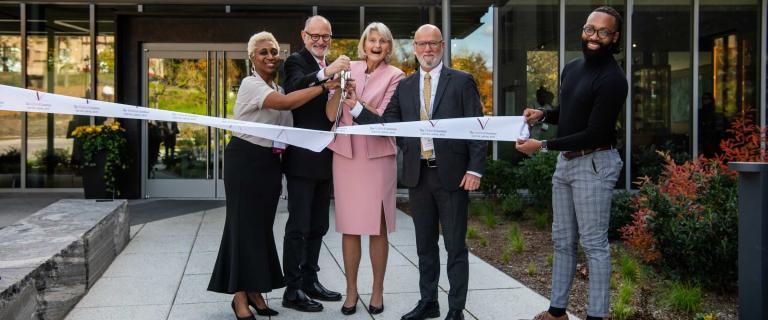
693,66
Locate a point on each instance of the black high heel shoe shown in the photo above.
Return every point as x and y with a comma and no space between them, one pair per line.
251,317
349,310
262,312
375,310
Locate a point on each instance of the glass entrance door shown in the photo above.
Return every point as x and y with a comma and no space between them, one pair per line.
183,160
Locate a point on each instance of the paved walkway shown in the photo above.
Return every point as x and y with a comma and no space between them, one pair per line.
164,271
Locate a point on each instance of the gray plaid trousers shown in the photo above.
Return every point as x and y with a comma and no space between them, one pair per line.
582,189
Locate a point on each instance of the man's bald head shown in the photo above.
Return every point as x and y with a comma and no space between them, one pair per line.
428,30
319,28
428,46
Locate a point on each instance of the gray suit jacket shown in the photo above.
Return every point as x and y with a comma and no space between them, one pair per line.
456,97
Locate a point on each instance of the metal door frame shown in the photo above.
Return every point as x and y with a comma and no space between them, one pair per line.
212,186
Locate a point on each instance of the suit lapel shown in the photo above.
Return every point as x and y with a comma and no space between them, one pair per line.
415,96
445,76
311,62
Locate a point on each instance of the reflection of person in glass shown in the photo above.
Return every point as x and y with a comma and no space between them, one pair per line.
593,90
154,135
364,167
544,98
247,264
169,130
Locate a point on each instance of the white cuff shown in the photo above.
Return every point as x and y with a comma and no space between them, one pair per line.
321,74
475,174
356,110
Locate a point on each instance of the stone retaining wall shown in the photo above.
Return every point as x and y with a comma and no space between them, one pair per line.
49,260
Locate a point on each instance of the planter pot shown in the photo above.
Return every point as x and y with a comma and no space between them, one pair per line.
94,185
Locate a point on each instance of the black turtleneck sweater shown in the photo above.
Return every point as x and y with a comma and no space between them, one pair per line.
592,93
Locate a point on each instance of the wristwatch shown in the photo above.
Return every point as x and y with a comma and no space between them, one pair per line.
544,146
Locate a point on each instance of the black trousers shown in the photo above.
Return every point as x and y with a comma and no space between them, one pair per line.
431,205
308,202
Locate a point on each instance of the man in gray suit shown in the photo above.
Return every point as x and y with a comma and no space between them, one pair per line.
439,173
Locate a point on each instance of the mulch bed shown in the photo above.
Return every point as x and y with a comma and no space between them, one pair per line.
531,267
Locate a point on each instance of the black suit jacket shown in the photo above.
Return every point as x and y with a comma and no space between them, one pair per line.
301,72
456,97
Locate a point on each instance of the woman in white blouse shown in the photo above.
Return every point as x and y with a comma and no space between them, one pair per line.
247,263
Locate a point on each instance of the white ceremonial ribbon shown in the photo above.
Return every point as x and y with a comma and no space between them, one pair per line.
25,100
473,128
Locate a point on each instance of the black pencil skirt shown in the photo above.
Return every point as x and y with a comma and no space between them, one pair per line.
248,259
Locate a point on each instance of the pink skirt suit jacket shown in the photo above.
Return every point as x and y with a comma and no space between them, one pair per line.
364,167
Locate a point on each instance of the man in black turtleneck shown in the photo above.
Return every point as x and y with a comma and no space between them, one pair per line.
592,93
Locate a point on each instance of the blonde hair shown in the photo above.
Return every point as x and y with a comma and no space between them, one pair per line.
261,36
385,34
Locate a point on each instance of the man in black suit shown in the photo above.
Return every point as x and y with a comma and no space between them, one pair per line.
439,173
308,173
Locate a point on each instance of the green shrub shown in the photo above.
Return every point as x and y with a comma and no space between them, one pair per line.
489,218
531,269
497,179
535,173
684,297
629,269
541,221
476,207
483,241
506,256
686,223
621,311
626,292
516,240
550,259
512,205
472,233
621,213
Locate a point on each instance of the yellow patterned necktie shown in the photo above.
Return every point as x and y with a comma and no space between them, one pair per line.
427,93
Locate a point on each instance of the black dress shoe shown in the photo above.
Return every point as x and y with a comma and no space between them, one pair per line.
454,315
241,318
317,291
423,310
262,312
375,310
300,302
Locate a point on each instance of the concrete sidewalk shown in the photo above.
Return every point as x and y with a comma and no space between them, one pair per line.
164,271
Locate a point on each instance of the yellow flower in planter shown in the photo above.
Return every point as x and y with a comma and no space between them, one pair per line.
108,139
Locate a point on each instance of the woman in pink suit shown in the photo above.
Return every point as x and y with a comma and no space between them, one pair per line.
364,167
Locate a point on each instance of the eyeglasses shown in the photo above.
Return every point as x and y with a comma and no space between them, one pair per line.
316,37
602,33
424,44
265,52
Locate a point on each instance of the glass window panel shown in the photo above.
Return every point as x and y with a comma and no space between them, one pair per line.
473,49
10,74
105,49
728,68
576,13
528,61
345,26
661,84
58,46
